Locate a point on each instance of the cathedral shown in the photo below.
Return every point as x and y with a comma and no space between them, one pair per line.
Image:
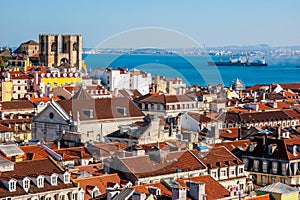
61,51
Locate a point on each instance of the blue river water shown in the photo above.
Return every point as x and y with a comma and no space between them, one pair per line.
195,70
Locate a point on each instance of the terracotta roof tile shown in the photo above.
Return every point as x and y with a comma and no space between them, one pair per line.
34,152
213,189
17,105
107,108
217,157
163,98
33,169
99,181
233,145
165,192
184,161
73,153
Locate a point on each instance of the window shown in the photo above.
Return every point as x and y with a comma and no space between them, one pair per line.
40,181
241,170
256,163
263,180
232,172
53,179
26,184
74,196
67,177
214,175
265,166
12,185
283,168
223,173
273,179
95,192
81,195
274,167
282,180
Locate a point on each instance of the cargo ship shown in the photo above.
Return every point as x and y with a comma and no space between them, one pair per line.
239,62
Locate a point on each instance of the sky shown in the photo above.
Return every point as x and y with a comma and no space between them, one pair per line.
211,23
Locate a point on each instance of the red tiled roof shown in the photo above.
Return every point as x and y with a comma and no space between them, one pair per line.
106,108
184,161
289,94
34,152
99,181
33,169
73,153
17,105
93,169
233,145
43,99
254,87
4,129
19,75
165,192
163,98
217,157
230,133
39,69
292,113
213,189
200,117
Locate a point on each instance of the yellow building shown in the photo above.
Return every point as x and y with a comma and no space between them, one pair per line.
6,90
60,79
280,191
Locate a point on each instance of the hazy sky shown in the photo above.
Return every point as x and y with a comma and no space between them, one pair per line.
211,23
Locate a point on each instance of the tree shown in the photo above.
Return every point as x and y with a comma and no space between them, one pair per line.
3,61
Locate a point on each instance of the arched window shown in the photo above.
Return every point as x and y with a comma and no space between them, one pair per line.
26,184
75,46
66,177
53,46
53,179
12,185
81,194
95,192
40,181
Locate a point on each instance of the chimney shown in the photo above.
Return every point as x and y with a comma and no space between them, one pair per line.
215,132
264,96
158,156
239,133
275,105
178,193
197,190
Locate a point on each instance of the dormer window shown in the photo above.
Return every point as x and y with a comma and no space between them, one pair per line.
40,181
12,185
66,177
53,179
26,184
81,194
95,192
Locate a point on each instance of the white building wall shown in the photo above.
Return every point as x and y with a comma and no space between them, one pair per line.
187,122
